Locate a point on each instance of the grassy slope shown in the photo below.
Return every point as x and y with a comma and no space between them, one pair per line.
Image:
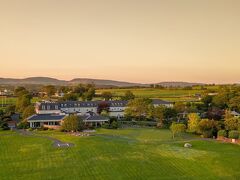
118,154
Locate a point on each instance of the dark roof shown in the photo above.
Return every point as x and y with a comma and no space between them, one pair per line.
94,118
158,101
76,104
42,117
117,103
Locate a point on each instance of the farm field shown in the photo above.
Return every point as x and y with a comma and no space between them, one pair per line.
116,154
165,94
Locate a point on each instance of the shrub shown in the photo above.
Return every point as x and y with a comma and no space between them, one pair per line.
105,125
43,128
23,124
222,133
233,134
177,128
114,125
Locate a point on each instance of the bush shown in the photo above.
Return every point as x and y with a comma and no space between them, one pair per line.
105,125
23,125
43,128
222,133
207,134
233,134
114,125
177,128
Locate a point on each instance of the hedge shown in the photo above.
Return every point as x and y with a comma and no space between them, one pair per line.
222,133
233,134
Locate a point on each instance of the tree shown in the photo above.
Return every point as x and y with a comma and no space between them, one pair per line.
3,124
207,102
231,122
80,89
170,113
158,114
28,111
208,127
180,107
49,90
221,100
128,96
103,106
72,123
89,94
107,95
23,102
234,103
138,108
19,91
177,128
10,109
193,121
70,97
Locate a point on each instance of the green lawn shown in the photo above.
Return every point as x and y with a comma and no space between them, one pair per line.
116,154
165,94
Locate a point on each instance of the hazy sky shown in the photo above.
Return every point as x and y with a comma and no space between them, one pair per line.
130,40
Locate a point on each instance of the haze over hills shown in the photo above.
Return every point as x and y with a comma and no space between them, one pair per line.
97,82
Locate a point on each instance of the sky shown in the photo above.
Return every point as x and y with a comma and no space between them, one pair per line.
143,41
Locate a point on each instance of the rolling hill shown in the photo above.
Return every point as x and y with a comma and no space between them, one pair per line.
98,82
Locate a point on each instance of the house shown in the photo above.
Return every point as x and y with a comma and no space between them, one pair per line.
51,114
54,121
158,102
235,114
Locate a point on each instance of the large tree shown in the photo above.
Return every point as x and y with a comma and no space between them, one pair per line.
72,123
128,95
158,114
28,111
208,127
23,102
49,90
20,91
139,108
193,122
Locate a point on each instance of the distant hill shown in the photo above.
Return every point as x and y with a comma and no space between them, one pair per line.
98,82
53,81
178,84
32,80
102,82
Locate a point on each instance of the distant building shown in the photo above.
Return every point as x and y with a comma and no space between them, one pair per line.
235,114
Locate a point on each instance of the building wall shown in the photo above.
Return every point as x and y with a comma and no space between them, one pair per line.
48,111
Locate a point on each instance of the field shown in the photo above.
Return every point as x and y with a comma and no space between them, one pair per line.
165,94
116,154
12,100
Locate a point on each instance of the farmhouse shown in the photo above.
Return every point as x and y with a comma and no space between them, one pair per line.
51,114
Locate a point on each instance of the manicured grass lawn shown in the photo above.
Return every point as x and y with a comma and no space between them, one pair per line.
116,154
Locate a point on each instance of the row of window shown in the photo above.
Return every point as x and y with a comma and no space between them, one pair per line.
48,107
